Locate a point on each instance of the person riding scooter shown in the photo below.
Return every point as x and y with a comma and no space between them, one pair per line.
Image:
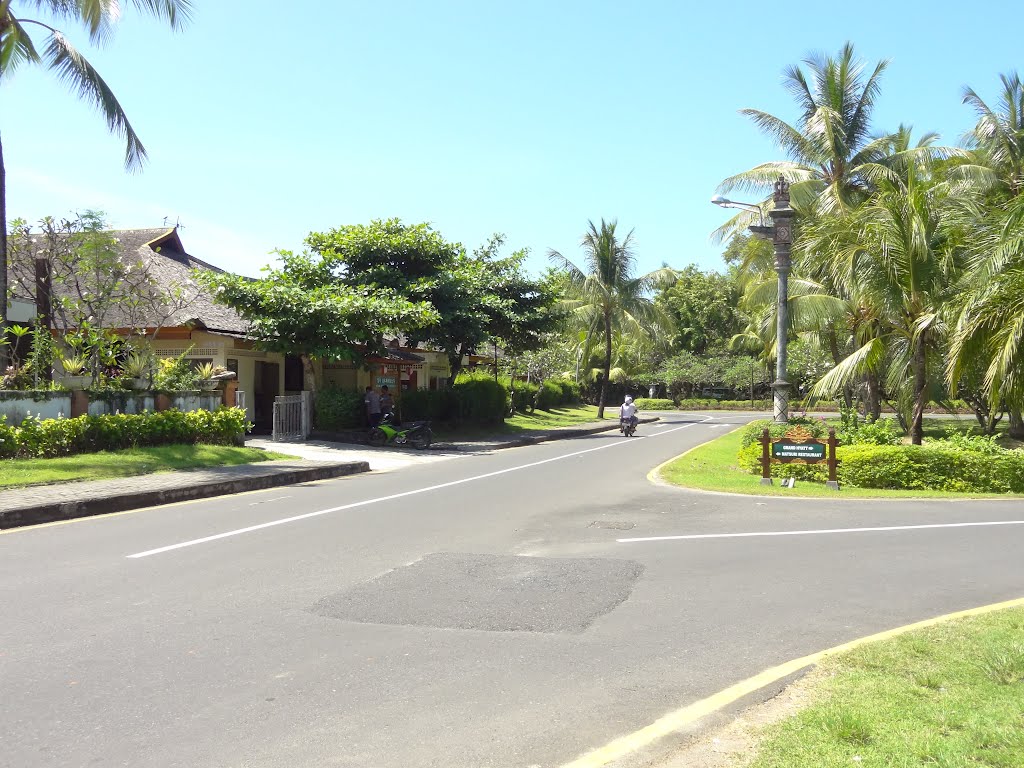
627,415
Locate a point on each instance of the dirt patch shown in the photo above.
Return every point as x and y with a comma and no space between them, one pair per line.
735,745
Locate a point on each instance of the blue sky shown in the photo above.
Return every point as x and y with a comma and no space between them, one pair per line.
526,118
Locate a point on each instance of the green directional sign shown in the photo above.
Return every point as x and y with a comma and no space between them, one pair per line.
782,449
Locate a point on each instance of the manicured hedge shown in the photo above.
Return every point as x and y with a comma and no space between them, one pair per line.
701,403
921,467
87,434
549,396
654,404
474,398
939,467
339,409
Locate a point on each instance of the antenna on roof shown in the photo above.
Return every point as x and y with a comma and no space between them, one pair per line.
178,224
165,221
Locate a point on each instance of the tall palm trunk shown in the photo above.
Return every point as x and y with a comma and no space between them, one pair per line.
920,393
1016,423
3,256
833,348
607,364
874,403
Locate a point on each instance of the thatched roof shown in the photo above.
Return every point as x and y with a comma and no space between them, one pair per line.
162,255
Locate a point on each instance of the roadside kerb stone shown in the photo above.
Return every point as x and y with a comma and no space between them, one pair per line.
494,443
562,433
66,501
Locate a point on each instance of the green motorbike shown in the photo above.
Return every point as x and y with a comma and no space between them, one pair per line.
417,434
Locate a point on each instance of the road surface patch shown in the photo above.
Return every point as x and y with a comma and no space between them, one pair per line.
491,593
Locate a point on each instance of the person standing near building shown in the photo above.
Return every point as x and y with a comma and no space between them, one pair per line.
372,400
387,402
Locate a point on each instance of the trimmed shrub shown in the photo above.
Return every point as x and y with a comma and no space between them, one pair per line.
549,395
479,398
703,403
428,405
338,409
523,395
570,392
931,467
43,438
654,404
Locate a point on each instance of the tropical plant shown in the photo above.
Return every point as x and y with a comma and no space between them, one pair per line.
205,372
74,365
137,366
831,148
18,48
603,295
990,329
906,263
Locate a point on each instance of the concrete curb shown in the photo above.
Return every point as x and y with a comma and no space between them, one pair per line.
48,512
519,442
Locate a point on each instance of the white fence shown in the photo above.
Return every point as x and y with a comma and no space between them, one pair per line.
293,416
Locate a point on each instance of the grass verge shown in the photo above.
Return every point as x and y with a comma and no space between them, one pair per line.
713,467
568,416
135,461
949,695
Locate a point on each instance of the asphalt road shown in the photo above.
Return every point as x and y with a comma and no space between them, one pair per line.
479,611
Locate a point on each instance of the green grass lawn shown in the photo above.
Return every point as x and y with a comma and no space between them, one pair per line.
713,467
949,695
567,416
135,461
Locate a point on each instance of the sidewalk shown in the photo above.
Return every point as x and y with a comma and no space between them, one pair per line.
480,443
65,501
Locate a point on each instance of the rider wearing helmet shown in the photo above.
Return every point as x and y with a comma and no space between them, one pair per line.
628,411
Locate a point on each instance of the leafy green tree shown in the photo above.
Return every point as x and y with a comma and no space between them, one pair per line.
477,297
704,308
300,308
604,295
18,48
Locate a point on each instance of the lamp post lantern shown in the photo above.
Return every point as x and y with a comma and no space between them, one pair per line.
781,235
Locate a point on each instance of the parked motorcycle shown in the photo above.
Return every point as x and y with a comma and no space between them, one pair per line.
417,434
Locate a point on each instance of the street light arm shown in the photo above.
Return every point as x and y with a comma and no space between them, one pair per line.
723,202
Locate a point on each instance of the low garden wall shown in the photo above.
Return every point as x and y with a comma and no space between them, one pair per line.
16,405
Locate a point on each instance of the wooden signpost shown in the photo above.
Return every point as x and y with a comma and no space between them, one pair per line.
799,446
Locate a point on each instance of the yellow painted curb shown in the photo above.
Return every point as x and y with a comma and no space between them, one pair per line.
680,718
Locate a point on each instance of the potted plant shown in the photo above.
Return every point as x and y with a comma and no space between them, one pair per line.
206,373
75,376
137,370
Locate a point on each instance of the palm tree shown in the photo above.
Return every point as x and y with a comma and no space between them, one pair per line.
904,268
17,48
604,295
830,145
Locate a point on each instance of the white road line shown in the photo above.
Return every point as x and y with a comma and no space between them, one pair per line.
367,502
821,531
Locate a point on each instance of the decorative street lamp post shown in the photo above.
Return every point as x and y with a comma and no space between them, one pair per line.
781,235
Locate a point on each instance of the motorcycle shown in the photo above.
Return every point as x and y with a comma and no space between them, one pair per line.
627,427
417,434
